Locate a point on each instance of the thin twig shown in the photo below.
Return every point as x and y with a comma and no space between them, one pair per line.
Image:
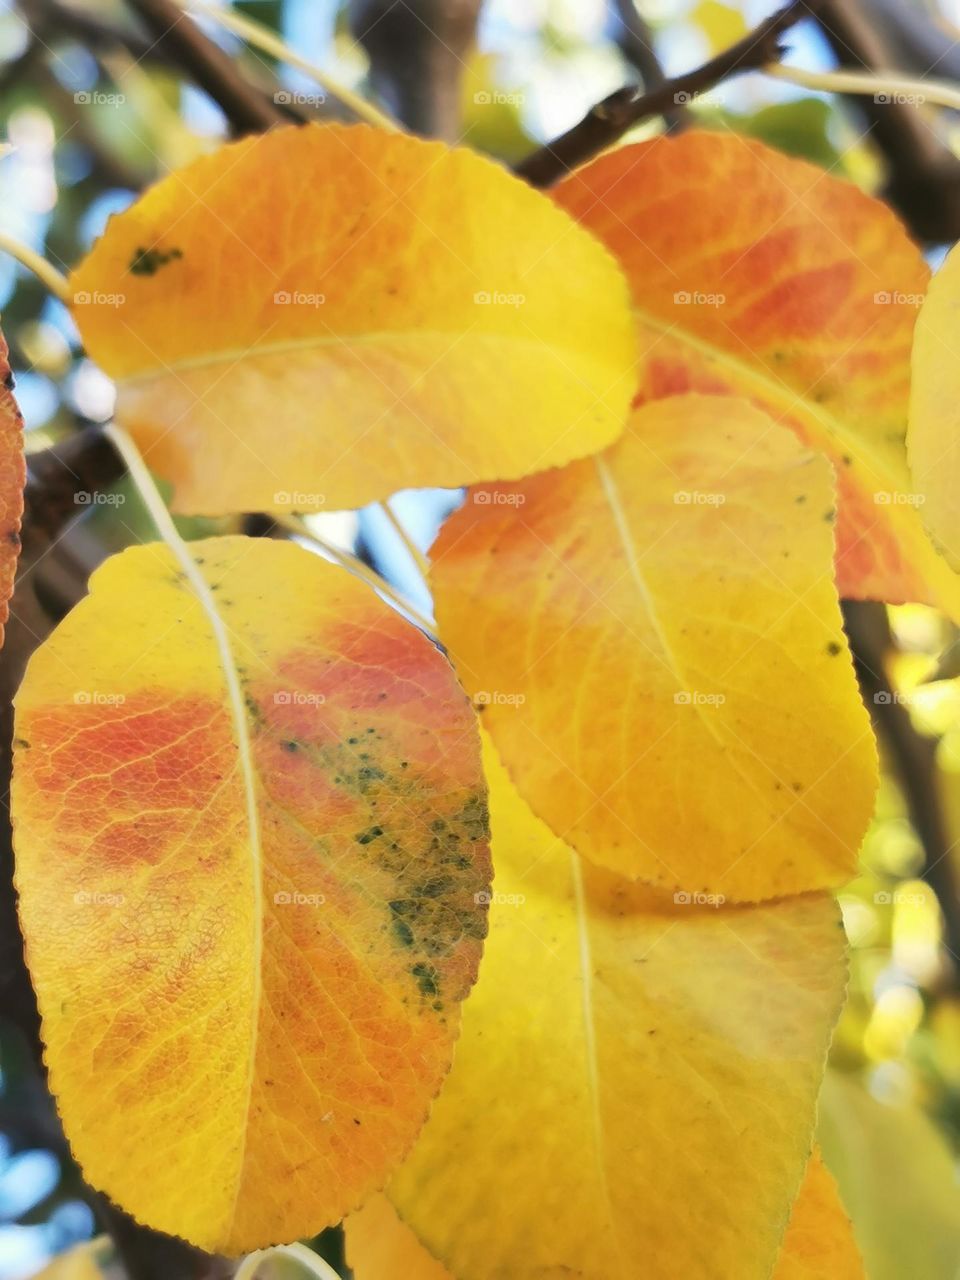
263,38
411,548
609,120
347,560
879,85
913,757
247,109
636,42
45,271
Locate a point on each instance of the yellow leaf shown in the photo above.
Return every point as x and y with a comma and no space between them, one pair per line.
722,24
634,1088
324,315
819,1243
251,865
759,274
12,477
82,1262
934,437
657,639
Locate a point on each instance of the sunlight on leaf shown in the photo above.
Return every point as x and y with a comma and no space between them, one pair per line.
249,926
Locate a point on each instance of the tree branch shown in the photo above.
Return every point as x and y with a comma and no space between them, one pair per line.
923,174
636,43
417,53
246,107
913,756
609,120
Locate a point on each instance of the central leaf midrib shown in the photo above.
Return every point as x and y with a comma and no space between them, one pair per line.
233,355
228,665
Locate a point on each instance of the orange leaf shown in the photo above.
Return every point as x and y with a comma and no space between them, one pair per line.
819,1243
12,477
657,639
323,315
759,274
248,871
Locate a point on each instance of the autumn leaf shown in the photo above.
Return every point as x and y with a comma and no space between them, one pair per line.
326,314
85,1261
655,640
634,1087
380,1246
934,436
12,477
251,860
819,1243
762,275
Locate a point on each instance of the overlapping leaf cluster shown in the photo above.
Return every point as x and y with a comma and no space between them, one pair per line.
676,393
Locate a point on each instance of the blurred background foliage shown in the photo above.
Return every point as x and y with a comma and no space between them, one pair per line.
92,110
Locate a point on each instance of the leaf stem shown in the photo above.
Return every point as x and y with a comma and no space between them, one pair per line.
45,271
315,1265
261,37
353,564
872,83
413,551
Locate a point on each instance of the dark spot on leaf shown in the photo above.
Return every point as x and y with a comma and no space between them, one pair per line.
147,262
365,837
